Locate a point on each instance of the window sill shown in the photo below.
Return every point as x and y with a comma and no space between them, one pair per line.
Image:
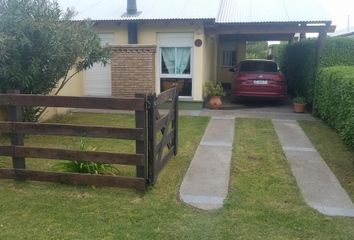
182,98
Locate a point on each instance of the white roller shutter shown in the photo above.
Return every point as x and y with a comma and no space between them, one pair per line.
175,39
98,79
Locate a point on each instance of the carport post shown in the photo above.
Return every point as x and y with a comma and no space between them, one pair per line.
321,43
291,39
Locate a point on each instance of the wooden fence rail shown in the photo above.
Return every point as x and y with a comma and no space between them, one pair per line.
149,157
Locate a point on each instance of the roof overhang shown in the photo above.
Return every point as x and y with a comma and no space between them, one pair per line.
256,37
206,22
270,28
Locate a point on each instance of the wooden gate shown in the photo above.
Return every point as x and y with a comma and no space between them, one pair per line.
148,158
162,149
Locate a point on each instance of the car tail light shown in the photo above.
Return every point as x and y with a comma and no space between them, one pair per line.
241,79
279,79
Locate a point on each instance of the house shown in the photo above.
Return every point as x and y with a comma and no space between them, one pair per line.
158,43
346,32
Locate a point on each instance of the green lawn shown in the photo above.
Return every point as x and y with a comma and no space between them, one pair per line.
264,201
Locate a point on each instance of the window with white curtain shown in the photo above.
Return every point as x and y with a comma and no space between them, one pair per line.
176,69
175,60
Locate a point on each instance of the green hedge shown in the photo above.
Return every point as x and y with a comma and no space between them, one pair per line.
298,62
299,66
338,51
334,100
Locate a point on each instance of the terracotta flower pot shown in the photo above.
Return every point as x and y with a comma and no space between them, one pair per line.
299,107
215,102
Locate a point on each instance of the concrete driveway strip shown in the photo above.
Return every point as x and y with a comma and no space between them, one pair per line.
205,186
318,185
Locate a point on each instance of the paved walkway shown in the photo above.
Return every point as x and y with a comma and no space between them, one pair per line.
318,185
206,183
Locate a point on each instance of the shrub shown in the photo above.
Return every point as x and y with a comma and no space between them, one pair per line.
334,100
338,51
279,55
41,49
212,89
86,166
298,61
299,100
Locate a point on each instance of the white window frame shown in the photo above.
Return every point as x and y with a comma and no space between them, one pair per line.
176,44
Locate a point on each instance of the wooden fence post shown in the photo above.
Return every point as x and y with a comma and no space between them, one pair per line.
152,138
15,115
175,124
141,148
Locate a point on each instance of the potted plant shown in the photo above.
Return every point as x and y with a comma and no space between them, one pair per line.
299,103
215,92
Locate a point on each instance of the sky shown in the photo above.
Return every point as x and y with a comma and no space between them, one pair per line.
339,10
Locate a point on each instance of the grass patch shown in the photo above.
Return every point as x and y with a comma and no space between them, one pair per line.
338,156
264,202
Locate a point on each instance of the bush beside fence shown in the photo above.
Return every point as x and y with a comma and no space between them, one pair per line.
334,100
298,61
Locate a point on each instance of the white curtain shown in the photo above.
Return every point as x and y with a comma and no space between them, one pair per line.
182,59
176,60
168,57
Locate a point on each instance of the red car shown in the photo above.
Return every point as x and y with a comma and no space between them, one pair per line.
259,78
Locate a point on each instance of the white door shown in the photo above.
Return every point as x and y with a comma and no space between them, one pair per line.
98,79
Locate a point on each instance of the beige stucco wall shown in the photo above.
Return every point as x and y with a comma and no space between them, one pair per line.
209,59
224,74
119,31
73,88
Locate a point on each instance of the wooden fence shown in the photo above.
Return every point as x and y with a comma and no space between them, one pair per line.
147,157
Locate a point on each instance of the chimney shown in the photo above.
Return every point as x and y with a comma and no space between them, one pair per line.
131,7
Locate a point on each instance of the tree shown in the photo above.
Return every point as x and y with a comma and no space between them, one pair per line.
257,50
42,48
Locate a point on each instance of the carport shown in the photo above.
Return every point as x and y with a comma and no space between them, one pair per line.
244,20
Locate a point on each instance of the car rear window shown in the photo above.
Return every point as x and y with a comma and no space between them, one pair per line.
258,66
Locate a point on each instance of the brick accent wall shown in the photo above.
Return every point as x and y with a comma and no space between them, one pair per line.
133,70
